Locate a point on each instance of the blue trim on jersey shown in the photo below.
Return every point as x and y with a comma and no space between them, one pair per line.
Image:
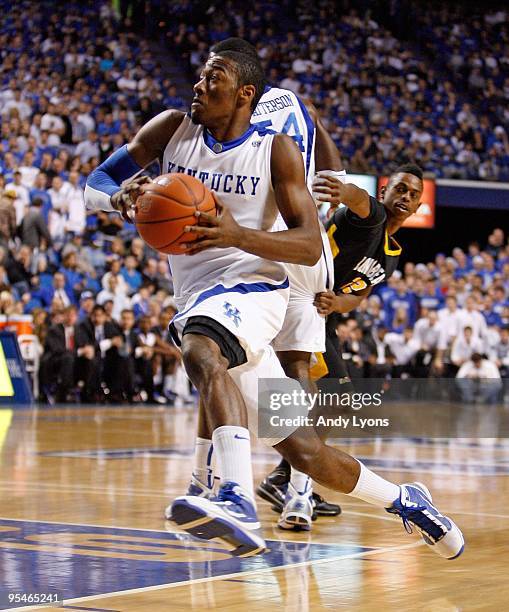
210,141
311,132
240,288
267,88
109,175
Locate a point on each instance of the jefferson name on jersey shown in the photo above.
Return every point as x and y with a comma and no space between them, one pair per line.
239,184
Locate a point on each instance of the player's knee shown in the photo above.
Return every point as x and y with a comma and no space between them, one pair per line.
202,359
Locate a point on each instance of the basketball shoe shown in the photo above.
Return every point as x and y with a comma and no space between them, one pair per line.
196,489
298,510
439,532
273,489
230,517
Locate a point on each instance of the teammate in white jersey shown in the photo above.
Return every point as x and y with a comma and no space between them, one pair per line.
218,339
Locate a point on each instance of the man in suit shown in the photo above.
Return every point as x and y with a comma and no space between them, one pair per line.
96,337
59,358
133,359
57,290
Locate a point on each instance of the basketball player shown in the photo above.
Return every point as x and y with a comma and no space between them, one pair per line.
303,331
365,254
224,323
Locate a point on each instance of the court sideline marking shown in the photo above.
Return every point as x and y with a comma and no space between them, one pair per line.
172,585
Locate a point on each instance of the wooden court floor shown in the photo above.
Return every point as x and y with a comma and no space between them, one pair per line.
83,491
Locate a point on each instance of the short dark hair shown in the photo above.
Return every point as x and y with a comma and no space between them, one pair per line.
98,308
249,72
409,169
238,45
37,201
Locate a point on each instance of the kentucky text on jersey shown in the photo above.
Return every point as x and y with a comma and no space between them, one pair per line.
372,269
216,181
270,106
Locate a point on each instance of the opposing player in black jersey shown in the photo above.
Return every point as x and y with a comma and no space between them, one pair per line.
365,254
362,240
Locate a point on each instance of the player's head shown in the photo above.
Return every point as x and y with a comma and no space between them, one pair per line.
237,45
402,194
230,83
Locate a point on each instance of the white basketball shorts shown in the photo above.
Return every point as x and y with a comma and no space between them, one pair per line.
252,312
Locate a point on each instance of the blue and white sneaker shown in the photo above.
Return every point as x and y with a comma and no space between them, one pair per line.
297,513
196,489
231,517
439,532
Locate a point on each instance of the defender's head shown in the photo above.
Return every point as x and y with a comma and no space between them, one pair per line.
230,82
403,192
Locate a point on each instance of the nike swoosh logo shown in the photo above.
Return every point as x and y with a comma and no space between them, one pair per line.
237,437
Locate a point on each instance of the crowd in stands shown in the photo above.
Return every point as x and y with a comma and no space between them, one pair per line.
447,318
437,95
77,82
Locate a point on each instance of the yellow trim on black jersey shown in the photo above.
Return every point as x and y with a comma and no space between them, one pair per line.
333,244
387,250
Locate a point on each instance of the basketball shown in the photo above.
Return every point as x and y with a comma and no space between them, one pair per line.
166,206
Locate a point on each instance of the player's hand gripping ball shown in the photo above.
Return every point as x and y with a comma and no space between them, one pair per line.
167,205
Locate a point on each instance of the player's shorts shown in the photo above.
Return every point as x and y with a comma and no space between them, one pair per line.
252,312
303,328
246,378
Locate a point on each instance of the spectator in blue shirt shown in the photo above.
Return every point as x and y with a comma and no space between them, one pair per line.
131,275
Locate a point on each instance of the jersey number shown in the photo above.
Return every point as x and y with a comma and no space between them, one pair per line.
291,123
356,285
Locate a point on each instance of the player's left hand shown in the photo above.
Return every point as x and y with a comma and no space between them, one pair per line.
221,231
324,302
327,189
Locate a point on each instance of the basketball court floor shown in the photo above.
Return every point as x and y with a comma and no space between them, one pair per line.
83,492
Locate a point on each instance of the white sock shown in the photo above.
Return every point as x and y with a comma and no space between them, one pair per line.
301,482
375,490
232,448
203,461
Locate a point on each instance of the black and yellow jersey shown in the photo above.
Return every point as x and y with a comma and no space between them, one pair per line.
364,254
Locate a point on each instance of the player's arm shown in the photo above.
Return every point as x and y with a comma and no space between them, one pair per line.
327,302
327,156
327,189
105,189
300,243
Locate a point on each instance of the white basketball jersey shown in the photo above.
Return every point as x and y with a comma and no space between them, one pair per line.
239,171
282,111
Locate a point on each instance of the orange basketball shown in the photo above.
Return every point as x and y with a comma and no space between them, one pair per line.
166,206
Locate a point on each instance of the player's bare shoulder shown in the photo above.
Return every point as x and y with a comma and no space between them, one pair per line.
151,140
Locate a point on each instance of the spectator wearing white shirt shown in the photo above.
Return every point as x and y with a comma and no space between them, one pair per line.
119,298
76,217
290,82
479,380
52,122
17,102
471,317
59,194
464,346
28,170
22,196
450,321
427,331
89,148
403,346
